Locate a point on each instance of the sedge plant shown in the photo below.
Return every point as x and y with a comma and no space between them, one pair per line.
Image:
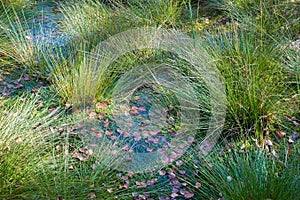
93,21
249,55
23,143
244,174
80,168
163,13
18,45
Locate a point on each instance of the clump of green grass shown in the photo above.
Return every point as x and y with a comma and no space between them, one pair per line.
159,13
254,78
250,174
17,43
119,66
77,170
249,55
17,4
71,79
23,143
291,102
40,159
92,21
271,19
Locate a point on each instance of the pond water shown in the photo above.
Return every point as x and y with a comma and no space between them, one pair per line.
44,25
149,127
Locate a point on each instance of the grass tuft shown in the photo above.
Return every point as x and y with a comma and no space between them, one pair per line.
250,174
23,143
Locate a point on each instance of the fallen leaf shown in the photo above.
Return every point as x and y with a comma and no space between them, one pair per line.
100,105
34,90
26,77
97,134
154,132
190,139
188,195
290,152
149,149
179,163
51,110
268,142
243,146
109,132
123,186
275,154
290,140
106,123
141,109
92,195
89,152
10,86
136,98
162,172
126,147
130,173
198,185
18,140
279,134
134,112
113,137
92,115
140,184
173,195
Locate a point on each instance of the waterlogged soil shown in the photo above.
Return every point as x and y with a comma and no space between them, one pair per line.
15,82
44,31
100,124
44,24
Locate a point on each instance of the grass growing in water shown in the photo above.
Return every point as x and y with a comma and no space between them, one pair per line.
19,45
24,143
244,174
250,54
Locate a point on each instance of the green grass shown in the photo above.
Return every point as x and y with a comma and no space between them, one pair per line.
249,54
17,4
240,174
47,155
37,161
164,13
17,45
254,77
271,19
24,142
91,22
66,177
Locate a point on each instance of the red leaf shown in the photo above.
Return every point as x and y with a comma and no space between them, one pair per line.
26,77
100,105
126,147
106,123
279,134
109,132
